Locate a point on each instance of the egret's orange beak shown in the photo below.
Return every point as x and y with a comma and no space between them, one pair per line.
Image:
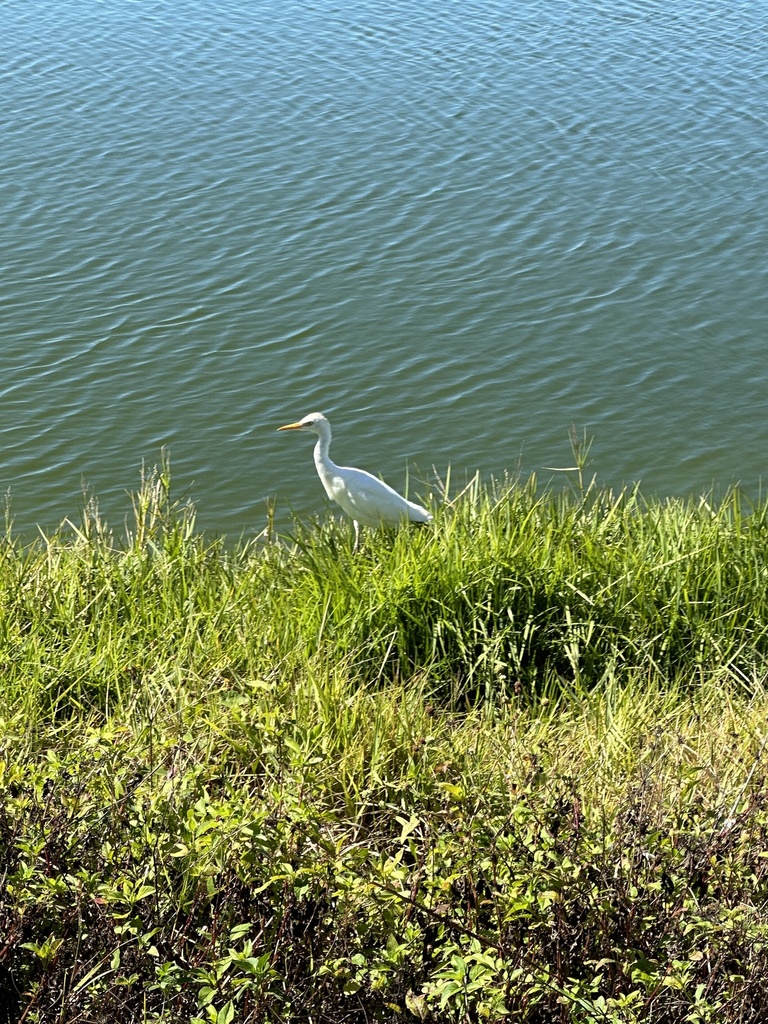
291,426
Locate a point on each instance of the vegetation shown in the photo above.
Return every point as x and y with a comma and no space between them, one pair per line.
509,766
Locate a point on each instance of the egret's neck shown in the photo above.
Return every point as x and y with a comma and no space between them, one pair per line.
322,458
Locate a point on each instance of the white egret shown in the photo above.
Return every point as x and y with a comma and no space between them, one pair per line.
365,498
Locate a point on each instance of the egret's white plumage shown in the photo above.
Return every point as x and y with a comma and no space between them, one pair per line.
365,498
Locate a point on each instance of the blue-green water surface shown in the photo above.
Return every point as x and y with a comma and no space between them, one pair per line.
456,228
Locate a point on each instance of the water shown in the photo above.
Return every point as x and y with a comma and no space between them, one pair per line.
455,228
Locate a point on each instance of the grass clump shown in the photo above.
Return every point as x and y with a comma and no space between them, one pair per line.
541,588
506,767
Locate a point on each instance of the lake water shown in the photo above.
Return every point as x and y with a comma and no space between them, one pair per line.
456,228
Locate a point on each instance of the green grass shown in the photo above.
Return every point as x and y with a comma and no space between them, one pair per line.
509,766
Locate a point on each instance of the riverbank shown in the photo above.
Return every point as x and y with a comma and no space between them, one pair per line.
508,766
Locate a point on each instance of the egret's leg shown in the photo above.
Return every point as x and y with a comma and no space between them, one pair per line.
357,535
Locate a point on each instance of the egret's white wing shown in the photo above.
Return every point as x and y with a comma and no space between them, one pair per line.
369,500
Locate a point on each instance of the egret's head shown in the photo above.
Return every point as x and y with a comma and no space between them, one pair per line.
315,422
